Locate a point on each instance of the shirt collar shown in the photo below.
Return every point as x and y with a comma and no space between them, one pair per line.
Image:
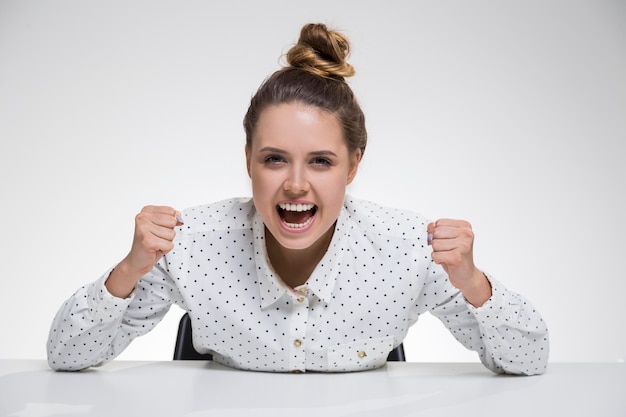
324,277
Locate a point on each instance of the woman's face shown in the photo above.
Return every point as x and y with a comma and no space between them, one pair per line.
300,166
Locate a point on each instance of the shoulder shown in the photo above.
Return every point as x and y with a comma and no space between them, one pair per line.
230,214
381,220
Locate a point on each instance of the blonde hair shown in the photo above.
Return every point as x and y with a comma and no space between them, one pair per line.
315,75
321,52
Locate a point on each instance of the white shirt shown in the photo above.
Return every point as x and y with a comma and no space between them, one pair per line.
374,281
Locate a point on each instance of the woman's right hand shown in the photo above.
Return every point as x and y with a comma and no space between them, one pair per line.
154,236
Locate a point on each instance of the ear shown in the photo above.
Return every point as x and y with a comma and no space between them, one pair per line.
355,159
248,156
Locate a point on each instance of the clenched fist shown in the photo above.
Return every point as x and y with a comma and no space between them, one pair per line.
154,236
452,242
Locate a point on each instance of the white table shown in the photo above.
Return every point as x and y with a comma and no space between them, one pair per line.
196,388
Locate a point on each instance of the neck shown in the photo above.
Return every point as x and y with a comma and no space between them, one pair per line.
295,266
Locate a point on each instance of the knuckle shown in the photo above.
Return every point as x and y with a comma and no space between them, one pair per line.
147,242
458,258
142,216
468,234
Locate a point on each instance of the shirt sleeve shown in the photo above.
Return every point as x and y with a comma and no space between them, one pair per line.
93,327
507,332
514,333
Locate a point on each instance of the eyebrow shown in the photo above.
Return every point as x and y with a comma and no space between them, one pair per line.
281,151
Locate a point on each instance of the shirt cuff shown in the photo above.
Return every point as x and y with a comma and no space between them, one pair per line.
494,311
108,307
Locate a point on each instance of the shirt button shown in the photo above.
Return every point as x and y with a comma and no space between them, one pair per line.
297,343
361,354
300,299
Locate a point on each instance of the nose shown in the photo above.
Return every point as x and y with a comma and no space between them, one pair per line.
296,181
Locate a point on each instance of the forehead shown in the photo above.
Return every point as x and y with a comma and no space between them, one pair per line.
297,124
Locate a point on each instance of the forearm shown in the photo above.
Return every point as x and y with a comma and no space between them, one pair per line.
509,334
94,326
83,332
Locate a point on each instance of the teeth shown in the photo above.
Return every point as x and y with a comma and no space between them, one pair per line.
296,207
299,225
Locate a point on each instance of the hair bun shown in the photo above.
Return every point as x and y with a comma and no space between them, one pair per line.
322,52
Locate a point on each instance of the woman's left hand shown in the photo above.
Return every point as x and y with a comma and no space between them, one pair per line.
452,242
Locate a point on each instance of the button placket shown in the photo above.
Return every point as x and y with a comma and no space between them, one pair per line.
297,332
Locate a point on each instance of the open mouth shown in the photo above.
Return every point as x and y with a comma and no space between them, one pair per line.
296,216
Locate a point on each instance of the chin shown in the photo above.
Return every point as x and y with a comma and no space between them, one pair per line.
292,243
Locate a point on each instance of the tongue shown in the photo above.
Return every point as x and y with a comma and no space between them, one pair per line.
296,217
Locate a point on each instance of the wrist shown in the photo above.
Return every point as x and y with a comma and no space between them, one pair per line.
479,291
121,281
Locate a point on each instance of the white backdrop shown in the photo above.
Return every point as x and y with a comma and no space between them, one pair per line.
511,115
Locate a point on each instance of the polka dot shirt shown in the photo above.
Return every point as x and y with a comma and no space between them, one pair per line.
373,283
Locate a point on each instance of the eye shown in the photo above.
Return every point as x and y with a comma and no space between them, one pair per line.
321,161
273,159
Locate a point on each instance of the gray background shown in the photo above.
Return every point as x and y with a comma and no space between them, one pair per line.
508,114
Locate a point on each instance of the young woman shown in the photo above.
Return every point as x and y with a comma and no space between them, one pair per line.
301,276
